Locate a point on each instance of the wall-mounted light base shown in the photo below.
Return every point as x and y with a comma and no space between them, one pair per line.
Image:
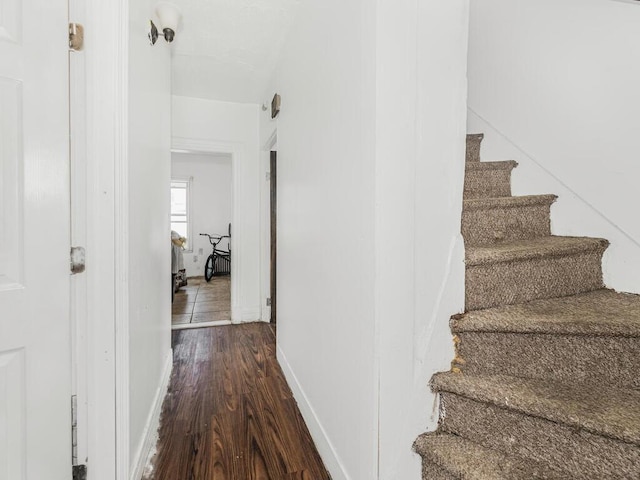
167,33
153,33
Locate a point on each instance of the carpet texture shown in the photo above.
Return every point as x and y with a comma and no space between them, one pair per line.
545,380
488,179
487,221
473,146
472,461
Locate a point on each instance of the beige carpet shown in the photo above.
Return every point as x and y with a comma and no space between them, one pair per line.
545,380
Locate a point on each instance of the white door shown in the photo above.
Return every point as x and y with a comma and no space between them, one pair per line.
34,241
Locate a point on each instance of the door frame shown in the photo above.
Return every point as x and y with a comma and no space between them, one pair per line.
273,231
107,224
265,223
236,150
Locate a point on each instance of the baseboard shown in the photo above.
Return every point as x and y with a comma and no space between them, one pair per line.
189,326
323,444
266,314
245,315
150,433
251,314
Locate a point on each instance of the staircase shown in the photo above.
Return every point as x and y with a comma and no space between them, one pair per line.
546,378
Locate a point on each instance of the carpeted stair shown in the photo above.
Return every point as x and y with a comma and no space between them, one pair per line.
545,381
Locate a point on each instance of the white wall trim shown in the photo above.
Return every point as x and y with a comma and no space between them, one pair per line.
265,224
248,315
107,303
271,141
121,254
191,326
323,444
150,432
237,151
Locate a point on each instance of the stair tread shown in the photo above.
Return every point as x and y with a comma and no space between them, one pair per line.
605,411
471,461
499,165
598,313
533,248
508,202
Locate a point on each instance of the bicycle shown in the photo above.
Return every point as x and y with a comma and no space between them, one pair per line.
219,262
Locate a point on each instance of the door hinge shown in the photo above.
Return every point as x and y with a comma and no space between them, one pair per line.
77,260
76,37
268,302
267,176
74,429
79,472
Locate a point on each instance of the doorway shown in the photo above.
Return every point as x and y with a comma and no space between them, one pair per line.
201,228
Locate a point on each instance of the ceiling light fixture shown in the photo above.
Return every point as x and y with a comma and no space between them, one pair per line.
169,17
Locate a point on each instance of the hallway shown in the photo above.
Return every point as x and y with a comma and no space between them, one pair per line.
229,413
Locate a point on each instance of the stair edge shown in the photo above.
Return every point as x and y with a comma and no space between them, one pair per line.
487,203
495,165
517,465
479,255
454,383
490,321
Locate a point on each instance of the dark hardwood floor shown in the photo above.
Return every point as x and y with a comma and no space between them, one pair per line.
229,413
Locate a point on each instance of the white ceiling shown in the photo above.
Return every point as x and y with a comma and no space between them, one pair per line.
227,49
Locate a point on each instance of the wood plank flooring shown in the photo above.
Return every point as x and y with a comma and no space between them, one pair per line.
200,301
229,413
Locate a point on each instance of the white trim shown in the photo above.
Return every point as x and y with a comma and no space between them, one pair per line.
121,254
79,182
107,290
265,224
249,315
630,2
271,141
237,151
150,433
190,326
323,444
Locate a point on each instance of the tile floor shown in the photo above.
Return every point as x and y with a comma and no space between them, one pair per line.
201,302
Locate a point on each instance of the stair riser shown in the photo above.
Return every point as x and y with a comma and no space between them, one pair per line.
487,184
581,454
614,361
473,147
496,225
431,471
507,283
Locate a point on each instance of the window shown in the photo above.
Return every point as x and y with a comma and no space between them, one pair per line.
180,222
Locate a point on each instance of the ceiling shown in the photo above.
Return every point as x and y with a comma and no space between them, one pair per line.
227,49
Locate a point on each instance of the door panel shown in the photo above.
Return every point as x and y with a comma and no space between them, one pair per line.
35,368
11,166
11,414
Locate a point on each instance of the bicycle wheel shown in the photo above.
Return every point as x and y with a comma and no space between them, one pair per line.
209,268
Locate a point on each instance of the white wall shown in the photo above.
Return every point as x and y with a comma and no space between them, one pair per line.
421,114
370,258
561,97
326,193
149,240
210,203
231,128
